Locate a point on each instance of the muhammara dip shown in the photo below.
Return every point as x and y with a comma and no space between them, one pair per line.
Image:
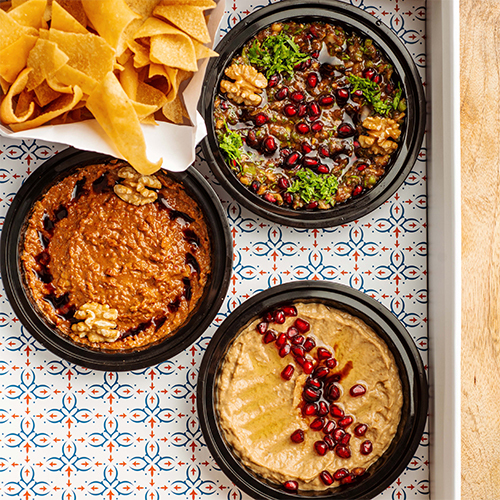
114,259
259,409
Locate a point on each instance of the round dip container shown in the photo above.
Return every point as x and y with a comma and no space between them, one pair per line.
362,201
138,353
411,400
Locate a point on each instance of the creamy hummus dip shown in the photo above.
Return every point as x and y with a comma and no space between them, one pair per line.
259,410
98,265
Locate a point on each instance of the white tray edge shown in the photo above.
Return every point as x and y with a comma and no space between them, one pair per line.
443,44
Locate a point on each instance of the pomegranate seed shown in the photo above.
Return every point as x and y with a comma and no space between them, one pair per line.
283,183
360,430
321,372
369,73
300,361
310,409
290,311
269,197
281,340
292,486
310,162
357,390
269,317
377,79
297,96
284,152
273,81
299,66
315,54
322,407
310,395
361,167
331,363
302,128
308,367
270,336
317,126
224,105
281,94
343,451
306,147
358,93
297,436
287,372
314,382
287,198
279,317
297,339
307,63
350,478
313,31
340,474
324,152
312,205
312,80
290,110
292,160
357,190
302,110
262,327
309,344
332,393
302,325
342,94
358,471
317,424
338,434
336,411
255,186
261,119
345,130
329,441
326,478
270,144
345,439
314,110
366,447
345,422
292,332
323,169
326,100
323,353
321,447
329,427
298,351
284,351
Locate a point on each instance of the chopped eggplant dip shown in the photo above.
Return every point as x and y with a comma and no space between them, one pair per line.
309,115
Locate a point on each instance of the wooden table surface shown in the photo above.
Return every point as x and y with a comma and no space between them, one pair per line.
480,148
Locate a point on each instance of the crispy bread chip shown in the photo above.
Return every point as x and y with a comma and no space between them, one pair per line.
13,58
62,20
174,49
10,30
46,59
115,113
7,113
30,14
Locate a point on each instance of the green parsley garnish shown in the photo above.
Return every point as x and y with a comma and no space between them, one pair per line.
277,54
397,97
371,93
232,144
311,186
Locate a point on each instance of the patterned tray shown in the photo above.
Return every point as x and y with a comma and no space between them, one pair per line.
71,433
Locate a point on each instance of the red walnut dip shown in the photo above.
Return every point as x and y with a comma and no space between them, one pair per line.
113,260
309,397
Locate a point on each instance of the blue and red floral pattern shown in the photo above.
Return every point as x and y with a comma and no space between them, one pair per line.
69,433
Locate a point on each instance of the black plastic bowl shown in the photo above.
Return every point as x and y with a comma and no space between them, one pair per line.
34,321
351,18
411,371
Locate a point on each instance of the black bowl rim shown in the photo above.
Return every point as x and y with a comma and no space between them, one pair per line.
46,175
414,128
357,304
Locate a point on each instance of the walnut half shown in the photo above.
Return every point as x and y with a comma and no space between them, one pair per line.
134,187
248,84
380,130
99,322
